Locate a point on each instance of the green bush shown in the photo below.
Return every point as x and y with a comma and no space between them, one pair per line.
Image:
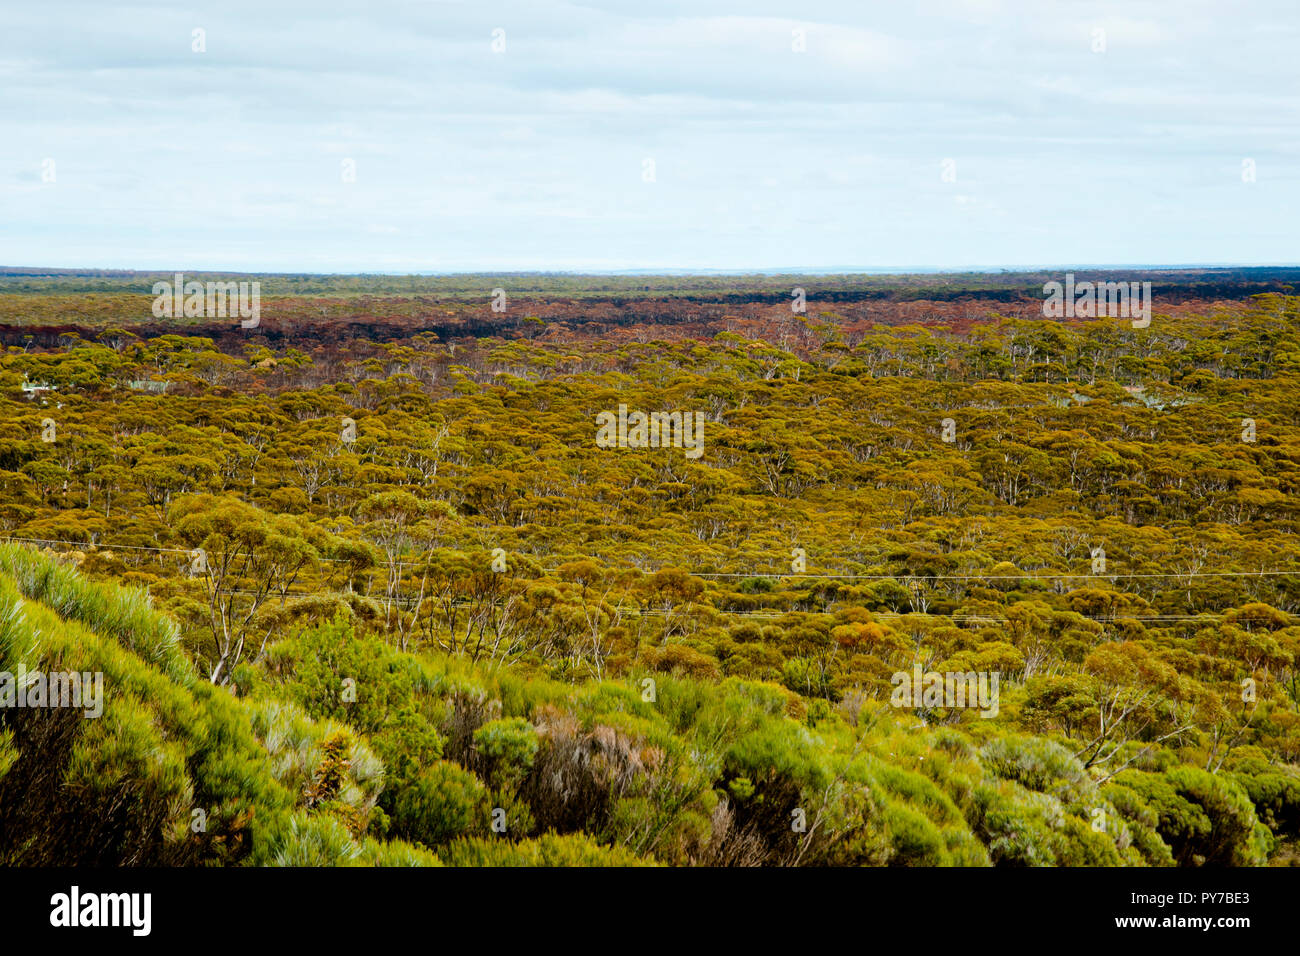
508,748
547,850
441,803
1206,819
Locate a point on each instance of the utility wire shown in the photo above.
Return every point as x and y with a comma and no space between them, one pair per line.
833,575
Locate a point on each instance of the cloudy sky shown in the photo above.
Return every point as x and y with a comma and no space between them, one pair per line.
417,135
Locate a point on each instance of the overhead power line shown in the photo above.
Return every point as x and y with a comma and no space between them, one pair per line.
781,575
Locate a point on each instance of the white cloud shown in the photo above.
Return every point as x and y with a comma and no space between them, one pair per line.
533,157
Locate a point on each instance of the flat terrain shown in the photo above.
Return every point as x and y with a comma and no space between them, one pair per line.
375,538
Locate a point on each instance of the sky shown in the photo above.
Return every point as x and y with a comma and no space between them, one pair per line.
426,136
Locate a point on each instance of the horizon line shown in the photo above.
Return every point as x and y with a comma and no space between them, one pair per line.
54,271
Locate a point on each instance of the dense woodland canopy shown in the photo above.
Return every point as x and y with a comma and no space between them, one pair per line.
367,590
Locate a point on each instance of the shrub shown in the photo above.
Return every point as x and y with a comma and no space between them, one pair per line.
548,850
1207,820
441,803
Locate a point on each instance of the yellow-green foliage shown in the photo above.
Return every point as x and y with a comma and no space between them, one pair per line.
590,773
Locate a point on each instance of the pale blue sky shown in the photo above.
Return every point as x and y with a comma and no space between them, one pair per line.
533,157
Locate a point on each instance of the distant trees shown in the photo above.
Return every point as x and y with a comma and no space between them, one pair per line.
1093,527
